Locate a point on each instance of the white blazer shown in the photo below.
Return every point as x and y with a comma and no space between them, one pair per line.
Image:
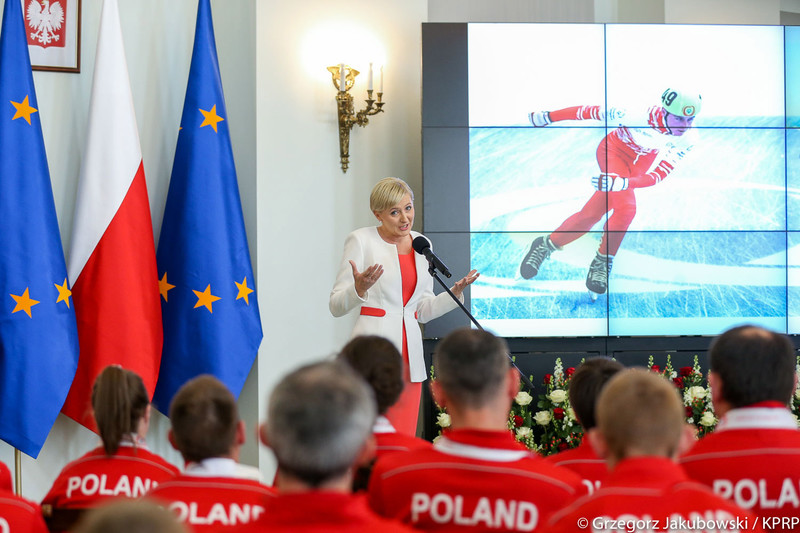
366,247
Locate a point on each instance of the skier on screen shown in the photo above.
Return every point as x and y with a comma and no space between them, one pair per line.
629,158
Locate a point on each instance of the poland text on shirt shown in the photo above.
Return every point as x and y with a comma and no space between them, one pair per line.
492,513
223,514
92,484
749,493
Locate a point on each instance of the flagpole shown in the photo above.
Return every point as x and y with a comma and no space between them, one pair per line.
17,472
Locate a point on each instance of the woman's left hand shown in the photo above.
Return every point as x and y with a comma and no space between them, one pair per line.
461,284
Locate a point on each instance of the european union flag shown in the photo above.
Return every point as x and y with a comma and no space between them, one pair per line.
38,337
209,305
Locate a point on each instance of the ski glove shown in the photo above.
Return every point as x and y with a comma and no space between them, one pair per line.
539,119
609,182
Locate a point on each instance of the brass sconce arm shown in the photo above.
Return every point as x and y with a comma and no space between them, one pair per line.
343,80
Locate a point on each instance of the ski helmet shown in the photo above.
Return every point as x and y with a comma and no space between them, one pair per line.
681,103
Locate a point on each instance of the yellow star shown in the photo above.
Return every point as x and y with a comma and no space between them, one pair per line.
63,292
24,302
164,287
211,118
205,298
24,110
244,291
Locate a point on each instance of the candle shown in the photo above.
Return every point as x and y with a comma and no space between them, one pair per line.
380,87
342,81
369,78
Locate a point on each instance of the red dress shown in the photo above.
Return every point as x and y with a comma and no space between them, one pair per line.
403,414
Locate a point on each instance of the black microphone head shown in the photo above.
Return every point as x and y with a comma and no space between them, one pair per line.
420,244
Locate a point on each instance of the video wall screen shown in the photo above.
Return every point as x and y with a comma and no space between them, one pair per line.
621,180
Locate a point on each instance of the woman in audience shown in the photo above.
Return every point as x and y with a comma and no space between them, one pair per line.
382,277
377,360
122,466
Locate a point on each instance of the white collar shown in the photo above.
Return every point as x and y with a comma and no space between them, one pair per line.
470,451
132,440
222,467
758,418
382,425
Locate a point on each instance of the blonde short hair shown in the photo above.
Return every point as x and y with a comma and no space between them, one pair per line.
639,410
387,193
129,516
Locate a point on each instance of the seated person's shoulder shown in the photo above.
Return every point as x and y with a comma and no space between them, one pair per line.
389,461
557,473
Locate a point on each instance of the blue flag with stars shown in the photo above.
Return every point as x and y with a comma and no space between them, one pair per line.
208,299
38,336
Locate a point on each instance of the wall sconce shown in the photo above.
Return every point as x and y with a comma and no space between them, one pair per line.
344,78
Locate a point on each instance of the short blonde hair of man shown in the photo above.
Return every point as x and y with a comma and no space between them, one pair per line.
639,410
387,193
129,516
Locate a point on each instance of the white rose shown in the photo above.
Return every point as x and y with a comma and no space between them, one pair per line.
523,398
443,420
523,432
542,418
694,393
797,393
708,419
557,396
571,414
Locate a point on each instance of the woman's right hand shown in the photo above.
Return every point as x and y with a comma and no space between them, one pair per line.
364,280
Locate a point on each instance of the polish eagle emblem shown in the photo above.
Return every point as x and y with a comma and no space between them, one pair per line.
45,19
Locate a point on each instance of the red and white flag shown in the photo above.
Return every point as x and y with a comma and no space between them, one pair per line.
112,261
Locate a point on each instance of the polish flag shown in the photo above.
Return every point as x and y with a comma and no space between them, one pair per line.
112,261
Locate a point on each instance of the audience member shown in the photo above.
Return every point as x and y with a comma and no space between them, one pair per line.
17,513
584,387
319,425
129,516
640,431
5,478
214,491
476,477
378,361
753,455
122,466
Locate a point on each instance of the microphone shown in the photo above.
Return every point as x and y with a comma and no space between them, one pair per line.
422,246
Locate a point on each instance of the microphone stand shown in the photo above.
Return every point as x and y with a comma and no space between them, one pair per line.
434,275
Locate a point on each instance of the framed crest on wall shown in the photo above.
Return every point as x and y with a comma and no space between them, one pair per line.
53,28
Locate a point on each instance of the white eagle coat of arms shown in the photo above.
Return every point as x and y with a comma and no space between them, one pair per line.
45,19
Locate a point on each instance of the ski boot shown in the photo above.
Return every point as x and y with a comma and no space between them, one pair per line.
541,248
597,278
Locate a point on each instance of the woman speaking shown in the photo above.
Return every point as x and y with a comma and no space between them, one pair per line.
382,276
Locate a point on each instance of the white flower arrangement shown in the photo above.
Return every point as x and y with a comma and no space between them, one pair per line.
692,394
523,398
542,418
557,396
708,419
